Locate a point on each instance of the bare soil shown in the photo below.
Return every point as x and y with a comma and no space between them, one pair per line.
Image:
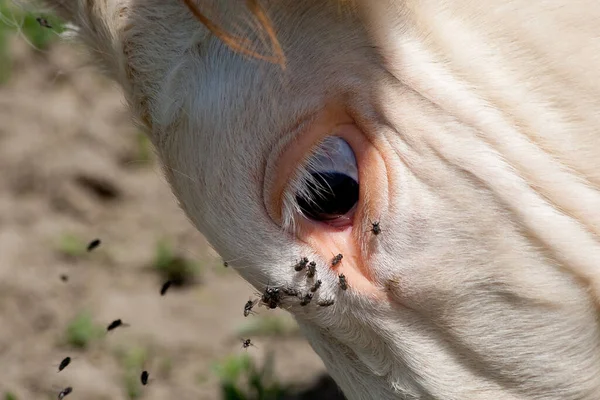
70,162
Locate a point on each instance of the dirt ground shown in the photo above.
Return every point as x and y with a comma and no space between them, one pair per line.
70,162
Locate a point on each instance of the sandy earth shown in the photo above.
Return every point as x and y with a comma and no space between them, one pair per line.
63,126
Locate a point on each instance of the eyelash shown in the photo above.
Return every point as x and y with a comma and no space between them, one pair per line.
299,185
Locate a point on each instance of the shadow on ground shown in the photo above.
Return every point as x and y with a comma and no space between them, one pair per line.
323,388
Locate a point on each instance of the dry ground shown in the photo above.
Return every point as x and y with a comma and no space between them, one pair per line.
74,168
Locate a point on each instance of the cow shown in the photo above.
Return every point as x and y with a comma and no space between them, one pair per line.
448,150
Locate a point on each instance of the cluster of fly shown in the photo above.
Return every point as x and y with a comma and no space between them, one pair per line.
311,267
272,297
301,264
311,270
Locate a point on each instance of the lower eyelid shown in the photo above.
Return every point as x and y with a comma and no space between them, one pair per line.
344,221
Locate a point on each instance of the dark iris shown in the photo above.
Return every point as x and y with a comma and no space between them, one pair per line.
332,196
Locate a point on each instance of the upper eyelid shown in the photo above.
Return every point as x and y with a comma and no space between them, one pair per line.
342,152
290,208
303,173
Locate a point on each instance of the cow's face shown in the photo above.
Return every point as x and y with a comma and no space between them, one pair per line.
475,284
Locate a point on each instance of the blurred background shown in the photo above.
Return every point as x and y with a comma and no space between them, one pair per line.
75,169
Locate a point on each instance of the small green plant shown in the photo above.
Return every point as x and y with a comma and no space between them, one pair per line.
173,267
144,148
82,330
165,367
14,20
10,396
71,246
269,325
241,379
133,361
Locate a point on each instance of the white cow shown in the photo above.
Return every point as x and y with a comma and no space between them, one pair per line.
468,129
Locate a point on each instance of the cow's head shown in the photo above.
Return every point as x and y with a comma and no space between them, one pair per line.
439,120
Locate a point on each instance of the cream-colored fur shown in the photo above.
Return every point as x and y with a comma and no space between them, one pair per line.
490,114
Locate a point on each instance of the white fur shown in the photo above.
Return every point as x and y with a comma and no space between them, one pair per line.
489,114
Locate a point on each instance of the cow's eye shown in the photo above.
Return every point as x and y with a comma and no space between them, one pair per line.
330,189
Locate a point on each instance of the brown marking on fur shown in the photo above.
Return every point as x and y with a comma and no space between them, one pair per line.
239,44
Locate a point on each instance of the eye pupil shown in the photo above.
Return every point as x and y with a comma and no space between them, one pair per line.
331,195
329,192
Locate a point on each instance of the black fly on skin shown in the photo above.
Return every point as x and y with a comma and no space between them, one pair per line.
375,228
343,282
316,286
336,260
306,299
312,269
